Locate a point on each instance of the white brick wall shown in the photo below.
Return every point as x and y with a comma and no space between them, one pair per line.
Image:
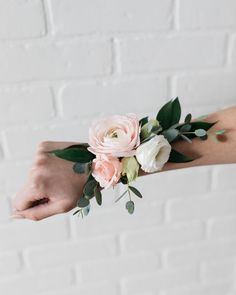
64,62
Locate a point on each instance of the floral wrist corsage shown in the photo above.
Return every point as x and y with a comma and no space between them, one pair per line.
120,145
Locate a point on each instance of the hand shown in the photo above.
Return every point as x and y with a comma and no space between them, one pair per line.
52,186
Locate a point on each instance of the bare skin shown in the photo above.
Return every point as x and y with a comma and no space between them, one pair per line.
52,186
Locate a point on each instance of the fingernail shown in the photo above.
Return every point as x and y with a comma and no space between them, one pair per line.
17,216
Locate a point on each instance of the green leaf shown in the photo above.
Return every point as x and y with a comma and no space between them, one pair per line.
98,195
135,191
177,157
89,188
169,114
83,202
81,168
130,207
200,132
185,128
86,209
76,211
143,121
171,134
188,118
74,154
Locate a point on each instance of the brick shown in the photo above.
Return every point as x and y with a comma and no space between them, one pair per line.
10,263
218,271
155,281
210,14
21,19
118,267
54,60
104,287
39,282
4,208
25,104
209,289
115,218
222,180
206,89
202,208
69,252
107,16
18,171
20,234
207,251
124,96
168,236
184,183
172,52
222,227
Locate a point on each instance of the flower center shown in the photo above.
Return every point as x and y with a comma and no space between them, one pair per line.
112,133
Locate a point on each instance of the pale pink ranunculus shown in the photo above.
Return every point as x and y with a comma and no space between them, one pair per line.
106,170
117,135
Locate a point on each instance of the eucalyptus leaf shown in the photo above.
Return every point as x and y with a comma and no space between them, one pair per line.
83,202
86,209
130,207
185,128
79,168
200,132
89,188
177,157
98,195
171,134
76,211
135,191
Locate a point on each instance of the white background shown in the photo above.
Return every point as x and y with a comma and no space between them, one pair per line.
65,62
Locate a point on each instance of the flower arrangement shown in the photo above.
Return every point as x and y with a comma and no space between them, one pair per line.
120,145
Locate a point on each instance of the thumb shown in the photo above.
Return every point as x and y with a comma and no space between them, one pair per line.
40,211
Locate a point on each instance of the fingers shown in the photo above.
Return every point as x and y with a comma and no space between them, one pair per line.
40,212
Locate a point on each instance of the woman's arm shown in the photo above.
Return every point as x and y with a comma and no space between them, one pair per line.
209,151
53,187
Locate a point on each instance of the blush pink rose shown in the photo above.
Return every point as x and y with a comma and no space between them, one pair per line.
117,135
106,170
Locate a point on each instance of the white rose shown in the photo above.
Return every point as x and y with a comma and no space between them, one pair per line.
153,154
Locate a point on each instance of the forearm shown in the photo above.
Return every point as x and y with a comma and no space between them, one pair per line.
207,152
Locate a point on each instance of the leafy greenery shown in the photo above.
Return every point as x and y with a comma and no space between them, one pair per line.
135,191
169,114
89,188
143,121
83,202
81,168
171,134
130,206
177,157
188,118
74,154
98,195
